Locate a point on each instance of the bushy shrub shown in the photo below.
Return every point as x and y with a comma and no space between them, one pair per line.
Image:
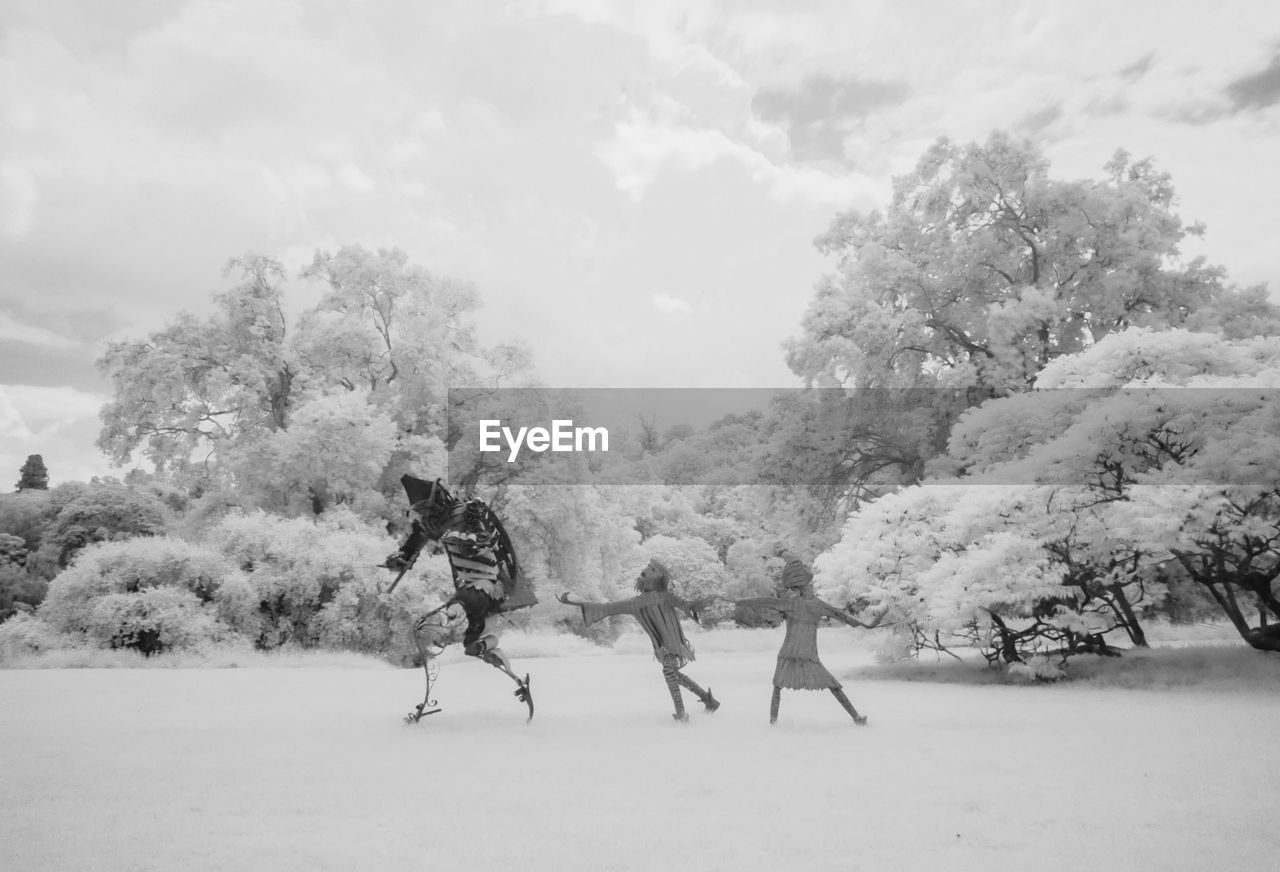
153,620
362,617
300,570
23,635
150,594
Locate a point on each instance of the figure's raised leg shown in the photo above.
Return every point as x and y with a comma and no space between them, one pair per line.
478,643
858,719
704,696
486,648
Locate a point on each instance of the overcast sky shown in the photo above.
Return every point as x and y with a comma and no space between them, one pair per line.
633,187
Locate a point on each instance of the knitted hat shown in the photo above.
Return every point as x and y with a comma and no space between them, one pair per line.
795,575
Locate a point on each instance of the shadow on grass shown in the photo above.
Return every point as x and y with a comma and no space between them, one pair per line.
1228,667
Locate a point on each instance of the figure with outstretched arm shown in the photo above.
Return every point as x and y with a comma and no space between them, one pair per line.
487,580
655,609
798,665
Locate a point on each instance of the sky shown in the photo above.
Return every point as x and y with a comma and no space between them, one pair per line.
633,188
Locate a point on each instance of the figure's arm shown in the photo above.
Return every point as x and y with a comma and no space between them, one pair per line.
846,618
408,552
592,612
694,607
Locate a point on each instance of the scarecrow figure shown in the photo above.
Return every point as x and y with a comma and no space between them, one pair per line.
486,579
798,665
655,609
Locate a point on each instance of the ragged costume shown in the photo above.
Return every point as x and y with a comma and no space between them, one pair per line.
655,610
486,574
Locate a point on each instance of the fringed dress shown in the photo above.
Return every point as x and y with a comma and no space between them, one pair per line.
656,613
798,665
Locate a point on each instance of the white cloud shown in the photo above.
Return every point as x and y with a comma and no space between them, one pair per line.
354,178
13,428
12,330
643,148
46,408
670,304
19,196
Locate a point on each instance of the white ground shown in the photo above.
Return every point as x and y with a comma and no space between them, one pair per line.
311,769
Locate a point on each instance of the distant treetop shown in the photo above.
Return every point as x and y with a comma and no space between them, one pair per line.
33,475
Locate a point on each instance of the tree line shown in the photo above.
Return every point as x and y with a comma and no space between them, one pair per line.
1020,507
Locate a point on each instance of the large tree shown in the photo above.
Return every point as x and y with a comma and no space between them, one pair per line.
333,409
188,392
984,268
981,271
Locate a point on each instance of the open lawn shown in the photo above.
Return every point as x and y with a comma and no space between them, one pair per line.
310,768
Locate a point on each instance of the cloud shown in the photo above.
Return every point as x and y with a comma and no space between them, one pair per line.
354,178
643,148
823,109
1259,90
19,196
12,330
1035,122
669,304
13,428
1138,68
46,408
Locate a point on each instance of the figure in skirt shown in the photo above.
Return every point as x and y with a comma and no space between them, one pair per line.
798,665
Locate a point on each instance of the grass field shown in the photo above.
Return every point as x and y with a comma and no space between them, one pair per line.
307,766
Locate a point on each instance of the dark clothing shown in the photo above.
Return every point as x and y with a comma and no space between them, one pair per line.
478,605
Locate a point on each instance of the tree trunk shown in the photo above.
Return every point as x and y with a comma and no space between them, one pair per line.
1128,619
1008,646
1265,638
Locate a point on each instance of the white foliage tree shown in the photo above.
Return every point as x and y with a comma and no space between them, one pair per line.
1078,506
334,453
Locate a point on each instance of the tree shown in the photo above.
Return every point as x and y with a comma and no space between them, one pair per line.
101,512
191,390
18,588
239,406
27,514
34,475
333,453
1076,508
983,269
395,329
